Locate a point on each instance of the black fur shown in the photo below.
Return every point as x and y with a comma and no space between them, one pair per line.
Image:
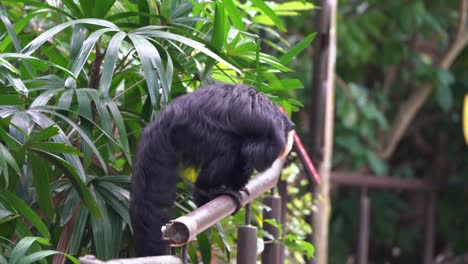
225,130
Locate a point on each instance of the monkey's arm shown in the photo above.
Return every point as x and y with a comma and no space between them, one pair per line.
289,144
239,176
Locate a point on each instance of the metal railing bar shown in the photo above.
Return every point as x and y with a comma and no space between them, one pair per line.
90,259
305,159
185,228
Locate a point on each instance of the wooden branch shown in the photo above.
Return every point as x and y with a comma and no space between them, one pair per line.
462,19
416,100
405,116
390,77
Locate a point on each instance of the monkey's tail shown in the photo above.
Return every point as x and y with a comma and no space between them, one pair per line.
153,192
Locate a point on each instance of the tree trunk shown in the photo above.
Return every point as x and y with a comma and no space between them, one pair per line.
322,113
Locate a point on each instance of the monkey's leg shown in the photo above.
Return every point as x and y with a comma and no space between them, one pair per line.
212,177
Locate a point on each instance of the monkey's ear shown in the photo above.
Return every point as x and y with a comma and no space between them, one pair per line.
288,145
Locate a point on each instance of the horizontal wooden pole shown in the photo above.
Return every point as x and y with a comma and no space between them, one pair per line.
369,181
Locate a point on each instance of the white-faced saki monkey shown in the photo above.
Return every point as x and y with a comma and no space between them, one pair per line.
224,131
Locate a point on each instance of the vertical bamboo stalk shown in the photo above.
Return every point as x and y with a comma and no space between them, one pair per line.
322,113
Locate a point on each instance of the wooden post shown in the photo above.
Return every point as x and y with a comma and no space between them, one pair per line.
428,257
322,112
364,222
271,253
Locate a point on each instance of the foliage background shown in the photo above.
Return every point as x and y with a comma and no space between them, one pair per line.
72,106
80,79
397,59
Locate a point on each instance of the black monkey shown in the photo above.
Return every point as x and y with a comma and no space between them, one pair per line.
224,130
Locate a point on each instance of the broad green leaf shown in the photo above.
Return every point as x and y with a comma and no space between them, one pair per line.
20,125
104,115
234,14
219,31
17,204
121,179
47,35
22,247
220,240
79,34
69,207
165,8
40,4
4,164
82,134
56,147
8,139
267,59
44,122
204,245
86,48
143,7
147,52
19,26
32,258
110,58
5,153
87,7
86,113
66,99
265,9
17,84
44,97
6,215
102,7
293,6
126,15
74,8
101,229
74,178
45,134
287,84
5,64
11,32
298,48
121,130
186,41
109,192
32,59
41,181
79,230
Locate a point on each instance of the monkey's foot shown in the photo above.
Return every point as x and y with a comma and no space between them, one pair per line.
236,195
